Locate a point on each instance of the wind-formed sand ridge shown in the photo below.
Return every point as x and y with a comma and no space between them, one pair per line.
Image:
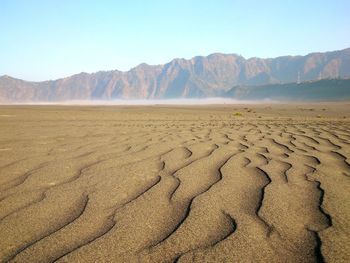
172,184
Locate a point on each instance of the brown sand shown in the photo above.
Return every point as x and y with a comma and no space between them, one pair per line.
239,183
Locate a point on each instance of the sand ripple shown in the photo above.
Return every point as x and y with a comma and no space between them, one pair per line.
171,185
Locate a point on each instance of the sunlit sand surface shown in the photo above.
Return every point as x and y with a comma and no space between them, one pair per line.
234,183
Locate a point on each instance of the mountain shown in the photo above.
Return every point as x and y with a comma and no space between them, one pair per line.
321,90
213,75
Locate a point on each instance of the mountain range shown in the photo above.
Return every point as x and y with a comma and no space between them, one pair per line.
216,75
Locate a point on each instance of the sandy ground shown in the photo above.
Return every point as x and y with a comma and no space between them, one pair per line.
238,183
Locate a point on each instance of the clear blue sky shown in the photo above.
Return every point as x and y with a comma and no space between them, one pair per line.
50,39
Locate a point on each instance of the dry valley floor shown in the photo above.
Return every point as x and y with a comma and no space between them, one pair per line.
231,183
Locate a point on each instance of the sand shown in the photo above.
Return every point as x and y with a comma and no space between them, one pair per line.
234,183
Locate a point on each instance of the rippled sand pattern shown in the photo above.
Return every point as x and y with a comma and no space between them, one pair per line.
158,184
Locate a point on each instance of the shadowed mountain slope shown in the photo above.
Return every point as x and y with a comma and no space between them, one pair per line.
326,89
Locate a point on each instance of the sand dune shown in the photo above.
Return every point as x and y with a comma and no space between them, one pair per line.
234,183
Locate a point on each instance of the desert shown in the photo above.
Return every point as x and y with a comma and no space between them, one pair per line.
167,183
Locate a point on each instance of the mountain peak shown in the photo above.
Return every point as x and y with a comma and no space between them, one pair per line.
200,76
6,77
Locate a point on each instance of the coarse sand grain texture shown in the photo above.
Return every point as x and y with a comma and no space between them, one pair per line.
229,183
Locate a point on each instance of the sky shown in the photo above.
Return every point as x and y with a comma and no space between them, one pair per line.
50,39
